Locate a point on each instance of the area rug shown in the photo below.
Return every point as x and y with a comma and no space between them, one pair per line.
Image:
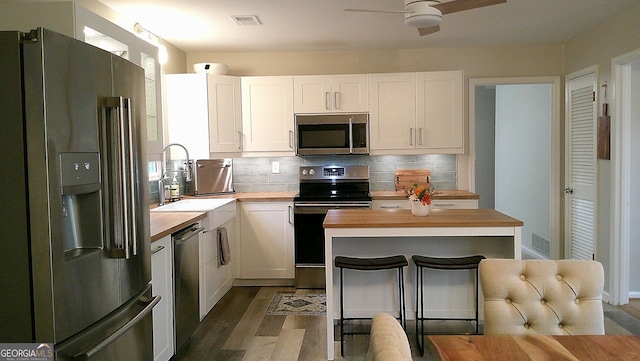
313,304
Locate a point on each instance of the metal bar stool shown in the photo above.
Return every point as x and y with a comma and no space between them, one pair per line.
423,262
370,264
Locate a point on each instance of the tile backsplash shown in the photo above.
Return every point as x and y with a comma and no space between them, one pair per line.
254,174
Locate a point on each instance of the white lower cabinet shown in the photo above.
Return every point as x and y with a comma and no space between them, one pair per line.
435,204
162,283
266,238
215,279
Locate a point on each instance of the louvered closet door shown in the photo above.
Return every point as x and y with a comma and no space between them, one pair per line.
581,175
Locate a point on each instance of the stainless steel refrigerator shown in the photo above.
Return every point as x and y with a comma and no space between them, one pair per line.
75,249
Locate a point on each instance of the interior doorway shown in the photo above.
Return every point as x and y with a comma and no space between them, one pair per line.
625,249
515,153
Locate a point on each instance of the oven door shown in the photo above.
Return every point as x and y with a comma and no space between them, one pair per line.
309,241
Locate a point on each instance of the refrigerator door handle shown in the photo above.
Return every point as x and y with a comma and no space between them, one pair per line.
121,331
118,145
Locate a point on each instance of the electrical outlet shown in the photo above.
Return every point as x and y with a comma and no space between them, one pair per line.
275,167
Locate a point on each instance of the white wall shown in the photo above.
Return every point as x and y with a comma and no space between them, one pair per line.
634,246
523,156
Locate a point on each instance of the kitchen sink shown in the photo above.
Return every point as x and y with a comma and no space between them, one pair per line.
193,205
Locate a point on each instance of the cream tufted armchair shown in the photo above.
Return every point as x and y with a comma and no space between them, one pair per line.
561,297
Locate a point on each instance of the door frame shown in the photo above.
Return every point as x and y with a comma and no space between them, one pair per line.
557,217
621,179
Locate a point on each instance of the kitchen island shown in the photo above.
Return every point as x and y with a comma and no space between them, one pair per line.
384,232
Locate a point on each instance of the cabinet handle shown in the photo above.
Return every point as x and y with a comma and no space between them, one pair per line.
336,100
327,100
160,248
443,204
390,207
410,136
291,139
290,212
239,140
420,136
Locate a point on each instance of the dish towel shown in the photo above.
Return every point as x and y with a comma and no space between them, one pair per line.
224,253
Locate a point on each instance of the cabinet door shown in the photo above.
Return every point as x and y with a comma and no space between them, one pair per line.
331,93
435,204
266,237
312,94
188,114
162,284
225,107
439,112
215,279
393,111
350,93
267,114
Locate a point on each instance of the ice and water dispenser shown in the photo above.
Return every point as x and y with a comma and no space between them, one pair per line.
81,206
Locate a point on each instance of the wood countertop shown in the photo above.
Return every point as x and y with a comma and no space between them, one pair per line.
164,223
443,194
253,196
376,195
402,218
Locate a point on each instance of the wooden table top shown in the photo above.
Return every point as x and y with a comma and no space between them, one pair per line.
402,218
536,347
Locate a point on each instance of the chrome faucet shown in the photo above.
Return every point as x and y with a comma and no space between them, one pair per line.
187,171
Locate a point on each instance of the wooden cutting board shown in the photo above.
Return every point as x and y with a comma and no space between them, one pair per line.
407,177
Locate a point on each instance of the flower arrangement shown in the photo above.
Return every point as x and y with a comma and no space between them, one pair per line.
419,194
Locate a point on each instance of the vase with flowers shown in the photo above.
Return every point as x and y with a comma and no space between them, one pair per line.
420,199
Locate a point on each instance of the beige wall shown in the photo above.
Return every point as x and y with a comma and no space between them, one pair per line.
598,46
534,60
177,59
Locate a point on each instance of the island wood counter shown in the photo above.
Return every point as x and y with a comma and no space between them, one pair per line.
386,232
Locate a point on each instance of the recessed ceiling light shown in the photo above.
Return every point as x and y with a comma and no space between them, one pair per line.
245,20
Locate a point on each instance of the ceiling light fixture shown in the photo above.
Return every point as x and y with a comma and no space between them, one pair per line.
421,14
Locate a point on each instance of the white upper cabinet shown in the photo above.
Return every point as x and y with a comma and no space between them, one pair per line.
225,114
392,119
267,114
417,113
439,112
203,113
331,93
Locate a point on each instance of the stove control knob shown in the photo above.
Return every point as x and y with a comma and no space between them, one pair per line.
304,172
312,172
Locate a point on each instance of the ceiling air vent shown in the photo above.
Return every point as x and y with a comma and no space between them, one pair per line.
244,20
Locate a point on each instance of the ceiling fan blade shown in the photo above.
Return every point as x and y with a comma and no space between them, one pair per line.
429,30
378,11
461,5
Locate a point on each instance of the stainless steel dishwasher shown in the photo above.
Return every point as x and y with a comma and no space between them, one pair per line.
186,258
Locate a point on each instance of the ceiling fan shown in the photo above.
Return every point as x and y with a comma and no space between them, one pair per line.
427,15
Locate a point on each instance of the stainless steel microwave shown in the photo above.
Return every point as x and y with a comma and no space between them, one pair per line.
332,134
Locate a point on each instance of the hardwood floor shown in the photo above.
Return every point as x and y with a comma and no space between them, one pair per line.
237,329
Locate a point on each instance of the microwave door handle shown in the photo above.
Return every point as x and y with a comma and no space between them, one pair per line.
350,135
